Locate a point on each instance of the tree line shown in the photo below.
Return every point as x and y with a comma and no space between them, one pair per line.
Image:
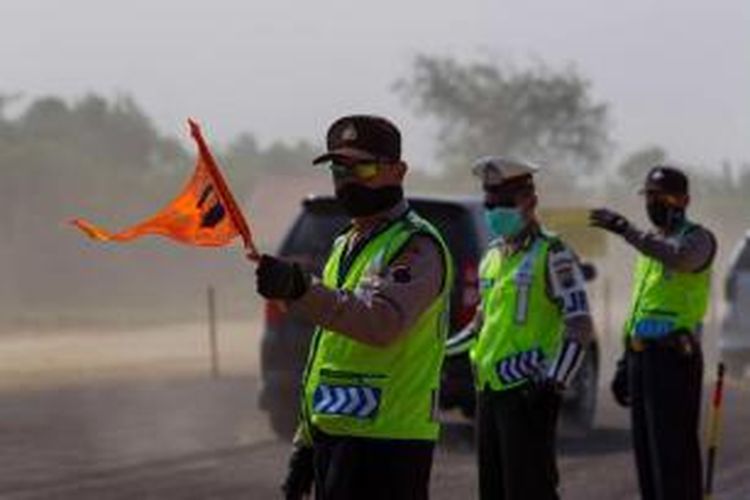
104,157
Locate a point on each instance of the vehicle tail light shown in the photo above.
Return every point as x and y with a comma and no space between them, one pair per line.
469,294
274,313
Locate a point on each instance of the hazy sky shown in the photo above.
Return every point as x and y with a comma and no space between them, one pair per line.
675,72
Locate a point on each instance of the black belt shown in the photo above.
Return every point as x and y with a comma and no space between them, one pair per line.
681,340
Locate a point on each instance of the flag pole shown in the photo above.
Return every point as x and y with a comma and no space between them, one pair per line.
233,209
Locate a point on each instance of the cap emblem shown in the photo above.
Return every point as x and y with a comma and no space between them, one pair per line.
349,133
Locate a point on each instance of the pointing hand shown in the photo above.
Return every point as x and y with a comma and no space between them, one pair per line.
609,220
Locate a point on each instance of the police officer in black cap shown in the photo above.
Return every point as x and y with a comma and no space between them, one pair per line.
660,374
368,424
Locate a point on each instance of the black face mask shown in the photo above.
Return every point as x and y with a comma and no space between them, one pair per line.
664,216
361,201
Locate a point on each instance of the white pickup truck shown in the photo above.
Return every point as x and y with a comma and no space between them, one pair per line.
734,340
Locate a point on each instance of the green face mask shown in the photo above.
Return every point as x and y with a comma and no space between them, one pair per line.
503,221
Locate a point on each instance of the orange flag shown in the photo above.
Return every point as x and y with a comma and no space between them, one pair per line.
203,214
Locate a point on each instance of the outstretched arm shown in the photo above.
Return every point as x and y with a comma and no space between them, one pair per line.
688,253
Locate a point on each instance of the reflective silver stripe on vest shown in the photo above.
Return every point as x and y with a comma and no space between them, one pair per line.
523,279
521,366
349,400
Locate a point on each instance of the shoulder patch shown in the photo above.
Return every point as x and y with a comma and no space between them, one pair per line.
401,274
567,277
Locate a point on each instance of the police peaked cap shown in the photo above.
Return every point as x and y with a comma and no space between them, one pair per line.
498,172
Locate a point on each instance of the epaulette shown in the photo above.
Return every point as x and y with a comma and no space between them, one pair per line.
413,221
553,239
692,227
342,234
343,231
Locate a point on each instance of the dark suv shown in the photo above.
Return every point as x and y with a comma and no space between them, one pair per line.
286,339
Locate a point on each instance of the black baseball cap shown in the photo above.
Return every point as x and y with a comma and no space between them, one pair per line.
666,179
362,138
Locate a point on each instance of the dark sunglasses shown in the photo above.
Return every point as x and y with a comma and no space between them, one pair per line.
666,198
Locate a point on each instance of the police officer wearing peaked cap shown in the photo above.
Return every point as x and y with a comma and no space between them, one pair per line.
527,339
660,374
367,426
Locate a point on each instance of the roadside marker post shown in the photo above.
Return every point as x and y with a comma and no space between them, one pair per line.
212,337
713,431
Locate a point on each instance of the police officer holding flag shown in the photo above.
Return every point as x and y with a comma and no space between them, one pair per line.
368,423
660,375
527,339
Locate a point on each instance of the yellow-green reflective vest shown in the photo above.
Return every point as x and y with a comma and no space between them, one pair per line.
354,389
522,329
665,300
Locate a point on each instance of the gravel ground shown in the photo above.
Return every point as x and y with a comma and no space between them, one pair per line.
146,428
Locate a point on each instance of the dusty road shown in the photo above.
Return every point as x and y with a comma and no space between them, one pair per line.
149,428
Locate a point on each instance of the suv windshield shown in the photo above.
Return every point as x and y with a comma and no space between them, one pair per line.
453,222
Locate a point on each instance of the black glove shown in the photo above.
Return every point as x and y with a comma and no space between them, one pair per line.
278,279
543,384
609,220
299,477
620,384
545,394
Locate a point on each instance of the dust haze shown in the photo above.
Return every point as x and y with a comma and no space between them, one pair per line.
107,385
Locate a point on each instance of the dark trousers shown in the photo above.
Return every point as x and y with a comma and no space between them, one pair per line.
665,386
353,468
516,432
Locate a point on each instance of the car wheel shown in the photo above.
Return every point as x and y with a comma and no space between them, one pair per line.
579,412
281,405
283,423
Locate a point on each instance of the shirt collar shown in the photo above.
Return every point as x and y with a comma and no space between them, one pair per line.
523,241
363,228
365,225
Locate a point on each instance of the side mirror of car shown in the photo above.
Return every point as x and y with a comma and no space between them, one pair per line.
589,271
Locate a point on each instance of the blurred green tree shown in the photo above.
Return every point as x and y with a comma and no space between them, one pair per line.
634,167
538,113
245,161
